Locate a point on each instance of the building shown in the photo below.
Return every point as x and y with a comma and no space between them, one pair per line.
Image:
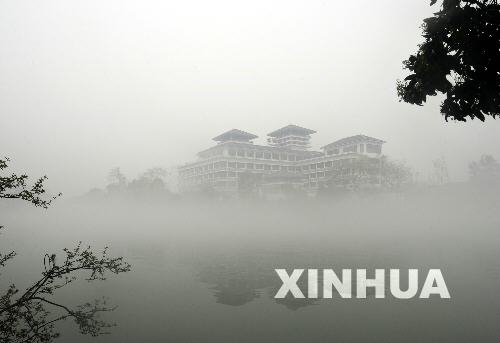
291,137
235,165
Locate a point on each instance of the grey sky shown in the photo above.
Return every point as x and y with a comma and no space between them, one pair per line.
89,85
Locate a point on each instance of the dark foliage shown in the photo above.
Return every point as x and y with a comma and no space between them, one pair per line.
460,58
15,187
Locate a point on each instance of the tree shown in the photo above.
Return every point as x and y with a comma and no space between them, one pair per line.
460,58
15,187
486,170
367,173
31,315
117,181
155,173
395,174
149,182
441,175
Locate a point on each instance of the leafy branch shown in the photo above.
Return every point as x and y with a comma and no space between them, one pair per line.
460,58
31,315
15,187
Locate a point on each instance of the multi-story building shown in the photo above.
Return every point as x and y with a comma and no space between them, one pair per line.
235,164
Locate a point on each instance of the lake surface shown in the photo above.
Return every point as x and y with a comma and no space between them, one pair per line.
205,272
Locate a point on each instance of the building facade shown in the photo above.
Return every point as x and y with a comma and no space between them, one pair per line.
236,165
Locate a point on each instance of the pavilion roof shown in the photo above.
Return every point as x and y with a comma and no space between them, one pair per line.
291,128
234,135
353,140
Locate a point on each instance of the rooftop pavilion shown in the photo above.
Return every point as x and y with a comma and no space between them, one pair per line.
235,135
291,137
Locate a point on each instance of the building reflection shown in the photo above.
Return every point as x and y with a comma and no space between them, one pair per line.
239,279
234,284
238,282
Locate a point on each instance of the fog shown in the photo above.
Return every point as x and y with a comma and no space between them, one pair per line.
204,270
87,86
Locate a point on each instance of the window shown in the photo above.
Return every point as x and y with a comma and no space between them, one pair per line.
259,154
232,164
312,166
241,165
374,148
250,154
333,152
350,148
291,157
291,169
361,148
259,166
328,164
305,168
283,157
220,174
267,167
250,165
231,174
232,152
241,153
320,165
321,174
267,155
276,167
276,156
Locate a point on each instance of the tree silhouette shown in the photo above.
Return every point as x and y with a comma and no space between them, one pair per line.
31,315
117,181
460,58
486,170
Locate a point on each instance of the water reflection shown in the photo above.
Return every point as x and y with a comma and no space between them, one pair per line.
238,279
294,304
235,282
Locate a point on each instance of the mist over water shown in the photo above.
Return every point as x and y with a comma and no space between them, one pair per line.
203,270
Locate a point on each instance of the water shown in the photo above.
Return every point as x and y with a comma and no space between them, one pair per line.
204,272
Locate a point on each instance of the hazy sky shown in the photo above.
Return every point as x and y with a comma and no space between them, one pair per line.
89,85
